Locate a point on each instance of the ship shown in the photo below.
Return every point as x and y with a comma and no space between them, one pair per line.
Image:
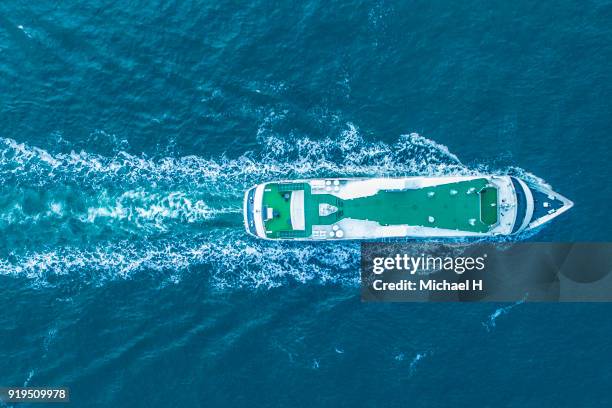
329,209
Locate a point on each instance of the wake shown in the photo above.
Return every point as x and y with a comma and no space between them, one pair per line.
100,218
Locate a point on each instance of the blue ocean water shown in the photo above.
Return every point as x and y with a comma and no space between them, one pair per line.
128,132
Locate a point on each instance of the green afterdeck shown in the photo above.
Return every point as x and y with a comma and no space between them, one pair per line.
446,206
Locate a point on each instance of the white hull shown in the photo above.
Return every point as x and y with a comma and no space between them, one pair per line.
519,208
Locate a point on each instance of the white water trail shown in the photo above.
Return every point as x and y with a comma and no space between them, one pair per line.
167,204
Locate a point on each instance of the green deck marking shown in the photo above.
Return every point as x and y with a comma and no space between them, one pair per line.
488,204
273,198
451,207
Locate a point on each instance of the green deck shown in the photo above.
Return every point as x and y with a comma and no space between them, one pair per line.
450,206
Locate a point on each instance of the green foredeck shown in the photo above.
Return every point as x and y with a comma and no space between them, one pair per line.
447,206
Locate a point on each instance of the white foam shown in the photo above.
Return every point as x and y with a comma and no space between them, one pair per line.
491,321
231,260
30,375
154,209
155,194
303,157
56,209
416,359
